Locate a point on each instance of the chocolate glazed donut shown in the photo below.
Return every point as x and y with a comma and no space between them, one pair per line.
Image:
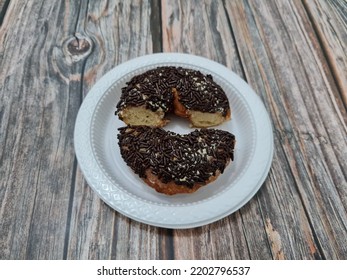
147,98
169,162
172,163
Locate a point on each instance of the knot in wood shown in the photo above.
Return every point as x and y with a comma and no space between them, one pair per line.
78,47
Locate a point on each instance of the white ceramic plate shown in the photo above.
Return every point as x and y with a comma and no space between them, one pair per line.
107,174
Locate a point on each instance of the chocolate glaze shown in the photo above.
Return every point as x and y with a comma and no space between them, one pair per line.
154,90
184,159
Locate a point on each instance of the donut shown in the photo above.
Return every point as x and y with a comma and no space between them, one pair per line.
149,97
172,163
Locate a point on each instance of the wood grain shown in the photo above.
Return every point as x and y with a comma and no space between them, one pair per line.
189,24
309,126
37,107
329,19
187,27
293,53
120,31
47,209
304,206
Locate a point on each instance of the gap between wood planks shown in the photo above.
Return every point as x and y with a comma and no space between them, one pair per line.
156,26
3,9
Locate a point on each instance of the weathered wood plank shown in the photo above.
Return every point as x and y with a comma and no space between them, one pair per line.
120,30
329,19
37,154
279,219
47,66
304,208
201,28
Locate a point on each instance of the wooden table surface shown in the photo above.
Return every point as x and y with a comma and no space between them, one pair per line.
292,53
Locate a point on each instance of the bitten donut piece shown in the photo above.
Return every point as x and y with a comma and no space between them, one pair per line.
172,163
147,98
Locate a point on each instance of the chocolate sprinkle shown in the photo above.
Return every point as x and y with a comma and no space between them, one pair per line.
153,89
185,159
